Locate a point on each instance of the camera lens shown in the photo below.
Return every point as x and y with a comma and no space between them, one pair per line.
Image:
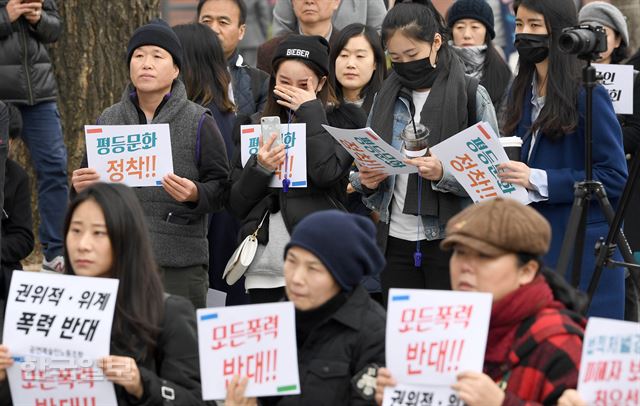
578,41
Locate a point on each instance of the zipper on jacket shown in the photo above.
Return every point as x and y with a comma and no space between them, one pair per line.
26,65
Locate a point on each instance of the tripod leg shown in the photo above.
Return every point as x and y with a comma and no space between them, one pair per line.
579,246
609,213
579,203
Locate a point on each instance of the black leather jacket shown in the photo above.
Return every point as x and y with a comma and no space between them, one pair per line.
26,73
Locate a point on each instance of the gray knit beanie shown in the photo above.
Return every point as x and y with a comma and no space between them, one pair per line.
606,14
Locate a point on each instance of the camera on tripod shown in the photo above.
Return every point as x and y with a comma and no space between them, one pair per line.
587,41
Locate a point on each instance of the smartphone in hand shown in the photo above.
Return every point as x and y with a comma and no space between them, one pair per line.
268,126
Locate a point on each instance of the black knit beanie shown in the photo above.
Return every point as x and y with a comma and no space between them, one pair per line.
310,47
476,9
345,243
157,32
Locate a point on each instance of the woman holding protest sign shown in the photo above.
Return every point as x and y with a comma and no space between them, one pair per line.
300,94
535,334
154,343
548,112
427,88
339,328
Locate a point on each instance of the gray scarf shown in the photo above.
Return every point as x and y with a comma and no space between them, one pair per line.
473,58
444,113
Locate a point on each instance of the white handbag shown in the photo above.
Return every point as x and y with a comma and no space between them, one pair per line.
242,256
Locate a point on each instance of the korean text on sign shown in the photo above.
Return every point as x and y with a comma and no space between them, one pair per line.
370,151
432,336
57,326
610,366
254,341
473,156
136,155
294,137
619,82
408,395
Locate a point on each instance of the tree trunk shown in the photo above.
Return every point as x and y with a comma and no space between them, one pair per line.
89,63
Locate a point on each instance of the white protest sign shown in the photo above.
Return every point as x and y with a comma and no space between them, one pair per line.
136,155
253,341
610,365
409,395
216,298
472,156
56,327
433,335
294,136
369,150
618,80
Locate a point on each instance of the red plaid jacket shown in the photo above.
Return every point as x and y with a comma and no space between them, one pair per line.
544,359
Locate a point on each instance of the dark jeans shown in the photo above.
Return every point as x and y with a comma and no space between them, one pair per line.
400,271
42,133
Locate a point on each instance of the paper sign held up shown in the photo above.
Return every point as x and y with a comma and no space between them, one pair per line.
618,80
56,327
369,150
432,335
610,365
473,156
294,136
136,155
253,341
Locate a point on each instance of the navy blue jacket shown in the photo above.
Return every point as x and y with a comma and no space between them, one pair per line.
563,160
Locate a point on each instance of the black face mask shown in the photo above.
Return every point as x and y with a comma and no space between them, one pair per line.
532,48
418,74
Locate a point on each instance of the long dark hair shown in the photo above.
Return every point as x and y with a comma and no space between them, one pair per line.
140,303
327,95
204,67
559,115
372,37
496,74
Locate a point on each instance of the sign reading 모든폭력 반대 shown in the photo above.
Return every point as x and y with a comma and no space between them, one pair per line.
253,341
56,327
136,155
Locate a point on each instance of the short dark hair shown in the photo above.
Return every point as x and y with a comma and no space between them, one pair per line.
15,121
239,3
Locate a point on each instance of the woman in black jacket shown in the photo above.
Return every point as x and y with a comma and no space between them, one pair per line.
154,348
300,94
339,328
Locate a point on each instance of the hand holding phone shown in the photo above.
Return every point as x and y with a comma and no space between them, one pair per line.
268,126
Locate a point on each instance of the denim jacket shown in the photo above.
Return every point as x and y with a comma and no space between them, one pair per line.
380,198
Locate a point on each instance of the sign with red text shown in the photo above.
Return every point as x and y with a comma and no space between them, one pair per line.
473,156
433,335
610,366
253,341
294,137
136,155
618,80
369,150
424,395
56,327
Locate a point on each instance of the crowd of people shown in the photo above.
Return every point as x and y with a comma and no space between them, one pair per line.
337,246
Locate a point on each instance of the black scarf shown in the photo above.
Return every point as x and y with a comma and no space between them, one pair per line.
444,113
308,320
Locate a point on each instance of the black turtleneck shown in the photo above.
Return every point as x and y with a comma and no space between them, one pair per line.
308,320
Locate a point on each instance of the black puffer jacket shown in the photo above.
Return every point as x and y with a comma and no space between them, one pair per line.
26,73
328,165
